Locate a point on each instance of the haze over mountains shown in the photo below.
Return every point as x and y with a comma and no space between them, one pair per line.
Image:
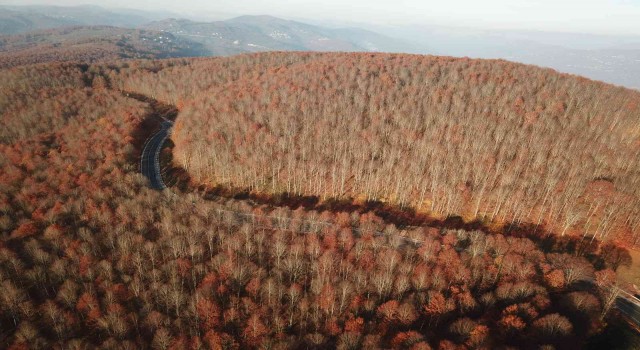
266,33
613,59
21,19
234,36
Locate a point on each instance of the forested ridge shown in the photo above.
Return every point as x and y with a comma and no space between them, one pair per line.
91,257
483,139
90,44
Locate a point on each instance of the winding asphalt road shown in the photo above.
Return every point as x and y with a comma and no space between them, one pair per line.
626,303
150,159
629,309
629,305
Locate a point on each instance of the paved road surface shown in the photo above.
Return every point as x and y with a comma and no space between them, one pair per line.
150,167
150,159
629,305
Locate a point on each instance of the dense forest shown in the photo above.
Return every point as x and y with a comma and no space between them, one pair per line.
91,257
89,44
489,140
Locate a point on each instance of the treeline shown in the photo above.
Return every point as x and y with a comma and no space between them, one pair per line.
178,81
483,139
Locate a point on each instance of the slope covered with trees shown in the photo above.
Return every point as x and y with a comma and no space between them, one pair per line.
92,44
91,257
488,140
45,98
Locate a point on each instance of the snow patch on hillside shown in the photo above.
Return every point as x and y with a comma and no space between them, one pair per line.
259,46
276,34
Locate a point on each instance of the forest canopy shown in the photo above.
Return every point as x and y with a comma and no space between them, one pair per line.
90,44
90,257
483,139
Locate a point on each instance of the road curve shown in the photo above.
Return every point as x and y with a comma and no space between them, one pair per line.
629,306
626,303
150,159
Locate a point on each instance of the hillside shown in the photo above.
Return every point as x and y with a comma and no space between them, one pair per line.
22,19
487,140
92,44
609,58
90,257
265,33
70,40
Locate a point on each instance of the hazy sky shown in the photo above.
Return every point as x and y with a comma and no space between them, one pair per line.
593,16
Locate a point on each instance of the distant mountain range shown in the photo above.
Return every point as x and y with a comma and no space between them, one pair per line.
238,35
620,66
266,33
22,19
613,59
